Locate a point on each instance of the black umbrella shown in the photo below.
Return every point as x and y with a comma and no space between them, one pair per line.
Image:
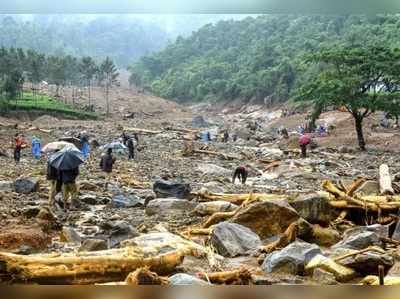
66,159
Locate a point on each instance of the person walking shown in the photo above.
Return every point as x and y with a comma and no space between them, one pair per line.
241,173
131,148
106,164
69,186
304,140
226,136
55,185
84,140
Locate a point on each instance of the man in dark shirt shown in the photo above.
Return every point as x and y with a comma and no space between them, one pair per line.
69,187
106,164
241,173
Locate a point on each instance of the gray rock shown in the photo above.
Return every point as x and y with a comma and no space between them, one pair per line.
231,239
379,229
213,169
93,245
396,232
267,218
315,209
214,187
118,231
169,206
291,259
367,263
167,189
185,279
126,201
90,199
359,241
26,185
211,207
6,186
69,235
199,122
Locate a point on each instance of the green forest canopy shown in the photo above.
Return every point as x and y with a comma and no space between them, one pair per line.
256,58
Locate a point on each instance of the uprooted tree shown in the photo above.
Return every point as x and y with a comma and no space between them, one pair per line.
364,79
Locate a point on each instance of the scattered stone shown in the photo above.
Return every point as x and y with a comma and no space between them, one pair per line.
325,236
267,218
6,186
69,235
165,189
25,250
213,169
214,187
211,207
359,241
291,259
379,229
199,122
119,231
315,209
324,277
26,185
31,211
231,239
186,279
90,199
169,206
93,245
341,273
126,201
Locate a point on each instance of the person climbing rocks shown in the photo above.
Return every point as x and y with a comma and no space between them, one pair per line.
106,164
304,140
241,173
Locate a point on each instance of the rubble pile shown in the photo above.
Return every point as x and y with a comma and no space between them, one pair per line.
173,216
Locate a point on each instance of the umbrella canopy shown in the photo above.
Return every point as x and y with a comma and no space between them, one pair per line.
75,141
117,146
66,159
58,145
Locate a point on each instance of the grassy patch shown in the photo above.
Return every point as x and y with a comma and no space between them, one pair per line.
46,104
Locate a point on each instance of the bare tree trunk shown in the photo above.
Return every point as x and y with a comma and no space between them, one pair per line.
359,130
107,100
89,93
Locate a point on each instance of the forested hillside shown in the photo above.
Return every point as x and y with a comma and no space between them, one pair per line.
123,38
263,58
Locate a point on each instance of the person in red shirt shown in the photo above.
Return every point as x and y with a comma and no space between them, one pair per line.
19,143
304,140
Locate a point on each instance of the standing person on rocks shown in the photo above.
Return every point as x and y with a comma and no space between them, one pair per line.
36,145
304,140
55,184
106,164
18,144
125,137
69,186
131,148
84,139
226,136
241,173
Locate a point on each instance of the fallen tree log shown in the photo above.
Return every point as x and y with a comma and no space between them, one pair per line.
143,276
240,276
385,181
86,267
39,129
236,198
288,237
142,131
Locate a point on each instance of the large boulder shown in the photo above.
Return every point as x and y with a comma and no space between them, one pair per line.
185,279
26,185
314,208
214,187
267,218
379,229
93,245
169,207
292,259
6,186
70,235
359,241
231,239
213,169
211,207
341,273
365,263
164,189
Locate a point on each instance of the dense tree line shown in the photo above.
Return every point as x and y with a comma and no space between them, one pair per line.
263,58
18,66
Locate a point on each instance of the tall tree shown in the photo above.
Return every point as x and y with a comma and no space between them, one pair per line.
88,69
364,79
108,74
